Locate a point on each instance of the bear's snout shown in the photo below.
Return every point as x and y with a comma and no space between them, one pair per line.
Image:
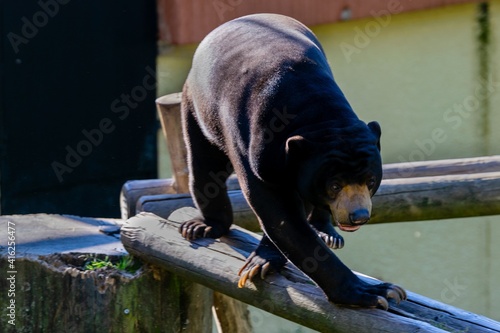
352,207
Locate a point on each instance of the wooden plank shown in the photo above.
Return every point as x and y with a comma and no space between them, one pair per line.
397,200
133,190
458,166
440,197
164,205
291,295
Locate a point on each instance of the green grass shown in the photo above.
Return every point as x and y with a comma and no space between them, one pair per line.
125,263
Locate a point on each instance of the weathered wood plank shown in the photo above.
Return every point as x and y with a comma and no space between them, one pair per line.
440,197
215,263
133,190
164,205
459,166
410,199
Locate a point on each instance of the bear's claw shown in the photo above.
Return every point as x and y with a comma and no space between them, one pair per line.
332,241
254,266
382,303
248,275
199,228
194,229
397,293
394,292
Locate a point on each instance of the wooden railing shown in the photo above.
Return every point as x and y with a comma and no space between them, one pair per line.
412,191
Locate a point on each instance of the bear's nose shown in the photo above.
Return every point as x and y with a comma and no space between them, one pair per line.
359,216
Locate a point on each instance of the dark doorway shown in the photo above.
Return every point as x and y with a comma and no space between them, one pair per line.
77,109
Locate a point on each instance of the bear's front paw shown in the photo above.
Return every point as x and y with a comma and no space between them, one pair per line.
197,228
332,241
359,293
257,265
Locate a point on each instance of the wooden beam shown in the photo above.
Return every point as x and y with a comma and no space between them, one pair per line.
458,166
397,200
291,295
133,190
440,197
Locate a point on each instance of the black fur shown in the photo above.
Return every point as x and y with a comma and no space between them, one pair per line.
261,100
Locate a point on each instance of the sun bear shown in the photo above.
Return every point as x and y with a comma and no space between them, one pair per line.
261,100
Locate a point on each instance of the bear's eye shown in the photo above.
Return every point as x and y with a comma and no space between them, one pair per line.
371,183
335,187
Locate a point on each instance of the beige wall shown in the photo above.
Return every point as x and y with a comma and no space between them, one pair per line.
411,73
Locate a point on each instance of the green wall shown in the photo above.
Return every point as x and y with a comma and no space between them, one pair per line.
418,73
421,75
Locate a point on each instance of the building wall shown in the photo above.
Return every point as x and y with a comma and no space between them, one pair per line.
412,72
188,21
424,69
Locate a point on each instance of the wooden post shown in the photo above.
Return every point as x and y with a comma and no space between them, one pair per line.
170,118
232,315
198,318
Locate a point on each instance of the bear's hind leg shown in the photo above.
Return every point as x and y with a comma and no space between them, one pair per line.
209,169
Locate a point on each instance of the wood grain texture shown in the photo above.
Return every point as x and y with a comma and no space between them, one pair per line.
397,200
291,295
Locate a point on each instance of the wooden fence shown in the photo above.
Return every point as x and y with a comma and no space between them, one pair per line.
409,192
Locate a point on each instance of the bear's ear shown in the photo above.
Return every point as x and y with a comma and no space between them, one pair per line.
375,128
296,147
